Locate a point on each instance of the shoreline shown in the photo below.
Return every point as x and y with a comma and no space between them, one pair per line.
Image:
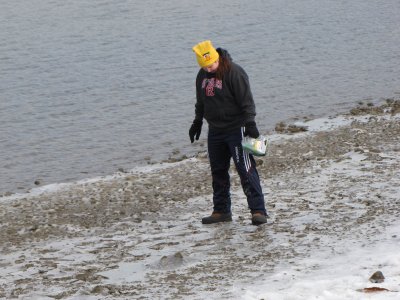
282,130
140,235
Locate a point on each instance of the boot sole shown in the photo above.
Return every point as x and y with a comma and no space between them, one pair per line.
216,221
258,222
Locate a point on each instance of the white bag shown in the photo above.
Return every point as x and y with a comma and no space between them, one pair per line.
257,147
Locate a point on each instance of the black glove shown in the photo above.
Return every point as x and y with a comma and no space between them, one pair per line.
250,129
195,130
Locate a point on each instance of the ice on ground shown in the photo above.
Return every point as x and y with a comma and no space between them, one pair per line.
333,198
339,273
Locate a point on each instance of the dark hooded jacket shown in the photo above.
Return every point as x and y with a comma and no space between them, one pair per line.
226,104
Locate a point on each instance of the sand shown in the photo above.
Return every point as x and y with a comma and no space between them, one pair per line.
138,235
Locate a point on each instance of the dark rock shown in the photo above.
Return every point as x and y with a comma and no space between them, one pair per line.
377,277
280,127
296,128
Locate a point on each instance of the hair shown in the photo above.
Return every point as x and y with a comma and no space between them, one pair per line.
223,67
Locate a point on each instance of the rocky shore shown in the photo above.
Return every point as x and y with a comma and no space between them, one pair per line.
138,235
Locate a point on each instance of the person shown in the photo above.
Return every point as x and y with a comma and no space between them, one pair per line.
225,101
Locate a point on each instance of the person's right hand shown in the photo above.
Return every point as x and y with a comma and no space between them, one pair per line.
195,130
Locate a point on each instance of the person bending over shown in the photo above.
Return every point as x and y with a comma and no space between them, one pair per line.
225,101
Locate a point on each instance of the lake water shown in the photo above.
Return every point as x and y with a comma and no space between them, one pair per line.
89,87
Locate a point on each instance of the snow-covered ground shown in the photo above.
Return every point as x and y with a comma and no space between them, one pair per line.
338,273
333,196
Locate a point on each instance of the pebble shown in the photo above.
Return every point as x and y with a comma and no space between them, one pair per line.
377,277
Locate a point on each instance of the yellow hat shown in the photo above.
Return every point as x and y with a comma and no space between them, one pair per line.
205,53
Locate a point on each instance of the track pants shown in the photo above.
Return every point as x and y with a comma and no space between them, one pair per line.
221,148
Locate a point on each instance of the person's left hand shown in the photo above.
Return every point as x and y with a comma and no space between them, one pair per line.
250,129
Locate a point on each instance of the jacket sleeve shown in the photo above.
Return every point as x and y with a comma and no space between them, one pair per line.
199,106
242,92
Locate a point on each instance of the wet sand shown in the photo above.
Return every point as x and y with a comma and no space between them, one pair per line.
139,235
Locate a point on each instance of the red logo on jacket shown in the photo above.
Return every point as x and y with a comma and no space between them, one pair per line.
209,84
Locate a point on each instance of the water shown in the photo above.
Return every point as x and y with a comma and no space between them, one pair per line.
88,87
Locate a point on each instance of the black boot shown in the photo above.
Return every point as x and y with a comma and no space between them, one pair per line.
217,217
258,218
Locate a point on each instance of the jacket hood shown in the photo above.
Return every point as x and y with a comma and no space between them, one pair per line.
224,53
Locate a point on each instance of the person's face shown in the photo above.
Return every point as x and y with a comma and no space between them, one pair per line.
212,68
